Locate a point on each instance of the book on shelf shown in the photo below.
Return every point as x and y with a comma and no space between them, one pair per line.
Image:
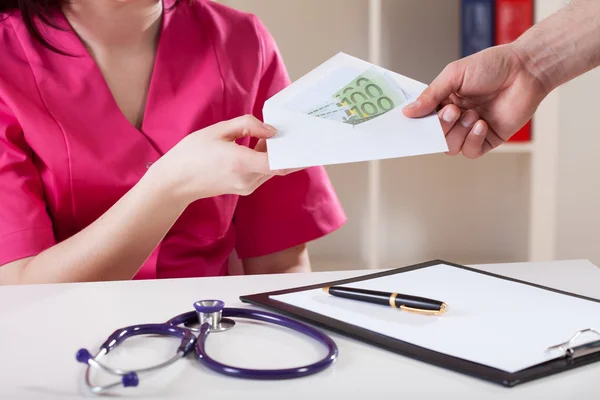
513,18
477,26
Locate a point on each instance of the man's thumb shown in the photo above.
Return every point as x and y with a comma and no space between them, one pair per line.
440,89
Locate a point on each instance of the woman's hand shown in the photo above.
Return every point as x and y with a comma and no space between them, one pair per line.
204,164
484,99
210,163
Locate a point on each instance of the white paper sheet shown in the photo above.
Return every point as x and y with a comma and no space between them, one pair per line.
303,140
495,322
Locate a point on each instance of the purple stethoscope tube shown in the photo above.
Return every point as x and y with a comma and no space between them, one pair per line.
211,316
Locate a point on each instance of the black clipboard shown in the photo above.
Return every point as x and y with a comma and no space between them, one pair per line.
466,367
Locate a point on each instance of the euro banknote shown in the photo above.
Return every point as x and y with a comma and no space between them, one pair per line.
367,96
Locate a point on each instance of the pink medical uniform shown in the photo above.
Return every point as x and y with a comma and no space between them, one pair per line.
67,153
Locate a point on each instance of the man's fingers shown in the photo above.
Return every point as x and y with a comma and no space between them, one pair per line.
492,140
240,127
448,117
446,83
457,135
474,143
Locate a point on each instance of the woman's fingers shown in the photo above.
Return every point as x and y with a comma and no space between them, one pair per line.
248,160
251,161
240,127
254,181
262,179
261,146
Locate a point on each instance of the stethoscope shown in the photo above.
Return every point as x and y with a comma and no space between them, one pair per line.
209,314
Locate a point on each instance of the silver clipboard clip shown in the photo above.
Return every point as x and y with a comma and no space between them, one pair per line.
579,350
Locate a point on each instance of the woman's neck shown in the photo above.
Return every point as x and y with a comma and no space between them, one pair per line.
115,24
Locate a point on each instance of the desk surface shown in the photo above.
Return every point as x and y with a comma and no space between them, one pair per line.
43,326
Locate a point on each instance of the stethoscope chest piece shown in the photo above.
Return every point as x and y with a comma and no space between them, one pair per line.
211,312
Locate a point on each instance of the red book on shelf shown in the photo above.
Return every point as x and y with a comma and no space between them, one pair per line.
513,18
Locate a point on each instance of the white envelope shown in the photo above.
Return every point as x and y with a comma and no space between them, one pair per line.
303,140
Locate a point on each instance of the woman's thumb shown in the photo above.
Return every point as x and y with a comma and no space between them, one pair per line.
246,125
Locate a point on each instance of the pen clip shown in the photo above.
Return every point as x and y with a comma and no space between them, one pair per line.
425,312
442,309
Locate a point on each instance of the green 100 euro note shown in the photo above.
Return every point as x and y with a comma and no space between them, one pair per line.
370,95
367,96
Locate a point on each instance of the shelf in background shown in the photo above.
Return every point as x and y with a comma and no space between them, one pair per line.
514,147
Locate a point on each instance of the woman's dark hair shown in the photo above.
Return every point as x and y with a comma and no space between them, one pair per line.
37,9
32,9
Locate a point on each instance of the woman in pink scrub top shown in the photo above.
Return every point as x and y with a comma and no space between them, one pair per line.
131,145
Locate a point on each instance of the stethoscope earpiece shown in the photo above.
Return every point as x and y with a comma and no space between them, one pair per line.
83,356
130,380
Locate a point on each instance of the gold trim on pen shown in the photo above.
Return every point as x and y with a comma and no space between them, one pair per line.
393,300
442,310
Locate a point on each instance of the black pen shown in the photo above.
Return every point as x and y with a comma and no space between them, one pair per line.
405,302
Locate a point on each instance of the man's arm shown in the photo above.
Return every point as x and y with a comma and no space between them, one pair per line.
564,45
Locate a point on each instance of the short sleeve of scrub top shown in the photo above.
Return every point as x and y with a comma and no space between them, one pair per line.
67,153
25,227
309,207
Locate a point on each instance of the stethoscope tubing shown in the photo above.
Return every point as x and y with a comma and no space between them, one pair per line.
197,344
260,374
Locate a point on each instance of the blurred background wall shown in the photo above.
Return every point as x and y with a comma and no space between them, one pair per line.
532,200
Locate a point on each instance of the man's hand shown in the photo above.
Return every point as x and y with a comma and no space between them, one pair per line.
482,100
496,91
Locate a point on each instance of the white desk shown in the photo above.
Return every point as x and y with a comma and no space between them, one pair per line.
43,326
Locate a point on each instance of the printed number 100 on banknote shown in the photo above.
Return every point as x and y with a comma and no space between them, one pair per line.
367,96
370,95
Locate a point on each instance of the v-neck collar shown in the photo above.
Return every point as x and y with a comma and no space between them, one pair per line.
75,46
78,98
